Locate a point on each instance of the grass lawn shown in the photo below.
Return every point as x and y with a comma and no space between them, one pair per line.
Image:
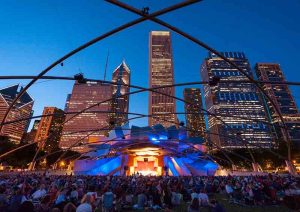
238,208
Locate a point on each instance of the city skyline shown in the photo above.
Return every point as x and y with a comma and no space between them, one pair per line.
236,104
187,56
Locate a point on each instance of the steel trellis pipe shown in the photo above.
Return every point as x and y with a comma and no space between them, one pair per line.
217,146
95,80
212,143
93,41
202,44
143,89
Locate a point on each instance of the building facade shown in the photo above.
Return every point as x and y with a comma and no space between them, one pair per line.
67,102
241,120
30,136
49,129
86,127
21,110
193,114
120,102
284,101
161,73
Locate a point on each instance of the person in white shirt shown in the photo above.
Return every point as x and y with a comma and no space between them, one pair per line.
194,195
86,204
203,198
41,192
228,188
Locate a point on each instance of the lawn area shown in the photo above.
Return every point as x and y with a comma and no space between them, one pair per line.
238,208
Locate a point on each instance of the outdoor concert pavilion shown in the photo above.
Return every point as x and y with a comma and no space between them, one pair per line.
148,151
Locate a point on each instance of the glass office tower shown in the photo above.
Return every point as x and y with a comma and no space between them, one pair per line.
284,101
194,115
241,119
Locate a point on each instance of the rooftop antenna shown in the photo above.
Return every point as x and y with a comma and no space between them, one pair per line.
106,65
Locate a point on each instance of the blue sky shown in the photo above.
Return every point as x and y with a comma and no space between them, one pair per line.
35,33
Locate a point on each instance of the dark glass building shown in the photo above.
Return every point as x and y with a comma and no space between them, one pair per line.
120,102
29,137
194,115
241,118
284,101
21,110
161,73
50,128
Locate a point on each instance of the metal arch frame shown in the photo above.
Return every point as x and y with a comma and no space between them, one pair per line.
134,92
179,84
229,160
188,144
78,141
118,140
153,90
78,157
202,44
203,82
96,40
16,149
143,89
151,17
91,42
217,146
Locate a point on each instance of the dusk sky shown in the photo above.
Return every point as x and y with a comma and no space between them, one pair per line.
35,33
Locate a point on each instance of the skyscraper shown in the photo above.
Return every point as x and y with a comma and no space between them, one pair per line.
49,130
235,104
283,99
86,127
161,73
28,137
67,102
22,109
120,104
194,115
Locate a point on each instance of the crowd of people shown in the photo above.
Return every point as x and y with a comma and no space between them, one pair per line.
45,192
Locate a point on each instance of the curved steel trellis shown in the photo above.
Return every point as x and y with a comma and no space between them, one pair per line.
211,143
202,44
217,146
93,41
151,17
134,86
142,89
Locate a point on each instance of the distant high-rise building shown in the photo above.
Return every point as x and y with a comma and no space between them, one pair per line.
194,115
161,73
283,99
36,123
29,137
67,102
21,110
86,127
50,128
235,104
120,104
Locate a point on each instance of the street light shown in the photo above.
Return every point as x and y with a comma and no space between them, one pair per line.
62,163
